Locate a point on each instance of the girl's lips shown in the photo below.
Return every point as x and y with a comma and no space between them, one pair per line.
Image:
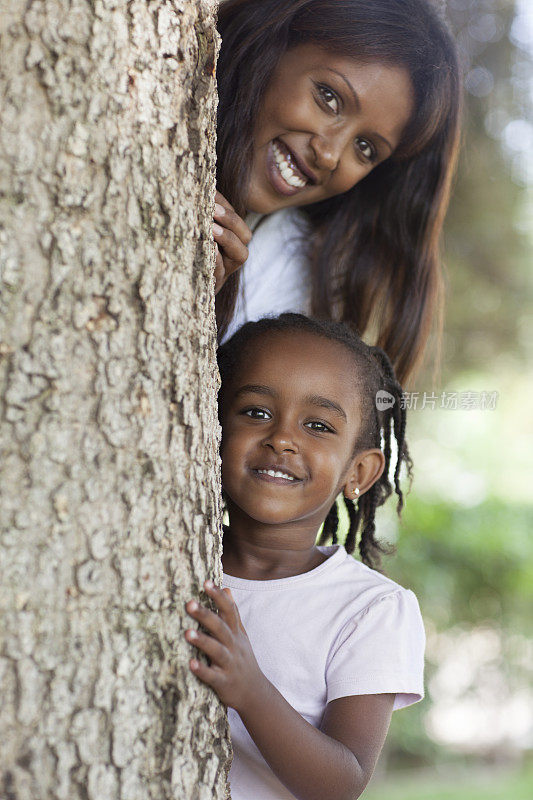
263,476
275,177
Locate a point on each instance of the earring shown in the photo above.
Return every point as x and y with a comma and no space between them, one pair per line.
355,491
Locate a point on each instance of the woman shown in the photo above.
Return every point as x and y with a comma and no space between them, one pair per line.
338,129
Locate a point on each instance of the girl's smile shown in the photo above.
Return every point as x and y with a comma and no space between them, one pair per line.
277,474
287,444
325,122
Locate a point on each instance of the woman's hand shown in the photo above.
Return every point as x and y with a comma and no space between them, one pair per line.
233,672
232,237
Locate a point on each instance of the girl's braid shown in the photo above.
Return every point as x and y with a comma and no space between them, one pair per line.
354,513
399,420
331,524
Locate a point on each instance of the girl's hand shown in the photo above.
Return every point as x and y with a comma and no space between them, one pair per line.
232,237
233,672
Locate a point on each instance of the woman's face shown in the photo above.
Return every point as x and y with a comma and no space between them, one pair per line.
325,123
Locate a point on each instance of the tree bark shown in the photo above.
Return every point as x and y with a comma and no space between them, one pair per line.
109,433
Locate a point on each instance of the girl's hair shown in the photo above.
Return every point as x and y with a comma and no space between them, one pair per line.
374,373
374,250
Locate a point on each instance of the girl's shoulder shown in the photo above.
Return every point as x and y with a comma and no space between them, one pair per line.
351,567
362,589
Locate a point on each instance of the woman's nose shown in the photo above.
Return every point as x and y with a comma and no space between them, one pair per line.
327,151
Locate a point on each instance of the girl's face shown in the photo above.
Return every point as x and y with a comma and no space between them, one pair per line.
289,424
325,123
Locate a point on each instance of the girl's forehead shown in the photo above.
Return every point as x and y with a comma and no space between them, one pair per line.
299,359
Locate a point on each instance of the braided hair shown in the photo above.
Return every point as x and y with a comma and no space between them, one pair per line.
375,374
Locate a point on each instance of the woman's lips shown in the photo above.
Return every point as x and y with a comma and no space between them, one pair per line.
277,180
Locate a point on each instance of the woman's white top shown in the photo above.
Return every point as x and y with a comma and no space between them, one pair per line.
275,278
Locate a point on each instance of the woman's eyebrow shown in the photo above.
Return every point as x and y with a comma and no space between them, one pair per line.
357,103
349,85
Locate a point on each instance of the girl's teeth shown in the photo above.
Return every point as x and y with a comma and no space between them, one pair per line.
286,170
275,474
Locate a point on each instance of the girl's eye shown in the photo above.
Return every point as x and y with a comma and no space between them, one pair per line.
329,98
321,427
366,149
256,413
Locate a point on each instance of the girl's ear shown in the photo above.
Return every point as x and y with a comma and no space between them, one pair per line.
366,469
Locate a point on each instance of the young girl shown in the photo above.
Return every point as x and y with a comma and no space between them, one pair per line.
310,649
337,139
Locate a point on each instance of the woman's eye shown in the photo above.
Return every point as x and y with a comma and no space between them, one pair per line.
329,98
256,413
366,148
321,427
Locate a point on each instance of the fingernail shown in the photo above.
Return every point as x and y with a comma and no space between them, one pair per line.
217,229
209,585
194,664
219,210
192,634
193,605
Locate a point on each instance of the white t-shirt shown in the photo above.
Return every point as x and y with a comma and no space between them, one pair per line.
341,629
274,278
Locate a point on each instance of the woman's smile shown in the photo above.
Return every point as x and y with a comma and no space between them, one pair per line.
325,122
288,173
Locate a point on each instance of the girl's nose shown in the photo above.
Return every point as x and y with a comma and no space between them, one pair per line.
327,151
281,441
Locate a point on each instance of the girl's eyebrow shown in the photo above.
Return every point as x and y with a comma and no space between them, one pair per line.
311,399
325,402
255,388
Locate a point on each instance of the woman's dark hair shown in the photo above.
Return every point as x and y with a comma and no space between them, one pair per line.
374,373
374,250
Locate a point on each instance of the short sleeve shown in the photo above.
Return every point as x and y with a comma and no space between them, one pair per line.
381,650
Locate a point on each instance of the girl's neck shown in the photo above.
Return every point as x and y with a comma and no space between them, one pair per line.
266,560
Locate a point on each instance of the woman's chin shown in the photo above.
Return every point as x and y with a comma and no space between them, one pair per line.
264,197
264,202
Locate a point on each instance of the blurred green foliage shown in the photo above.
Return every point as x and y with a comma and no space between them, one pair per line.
487,242
468,566
455,785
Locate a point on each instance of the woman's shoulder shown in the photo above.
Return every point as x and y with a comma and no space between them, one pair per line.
286,221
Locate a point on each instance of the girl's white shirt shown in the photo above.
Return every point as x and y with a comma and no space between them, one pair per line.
275,278
341,629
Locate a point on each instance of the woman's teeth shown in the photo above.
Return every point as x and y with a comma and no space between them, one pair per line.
276,474
288,172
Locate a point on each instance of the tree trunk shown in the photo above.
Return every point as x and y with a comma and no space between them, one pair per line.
109,434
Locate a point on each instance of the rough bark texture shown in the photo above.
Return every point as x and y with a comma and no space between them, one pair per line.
109,465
